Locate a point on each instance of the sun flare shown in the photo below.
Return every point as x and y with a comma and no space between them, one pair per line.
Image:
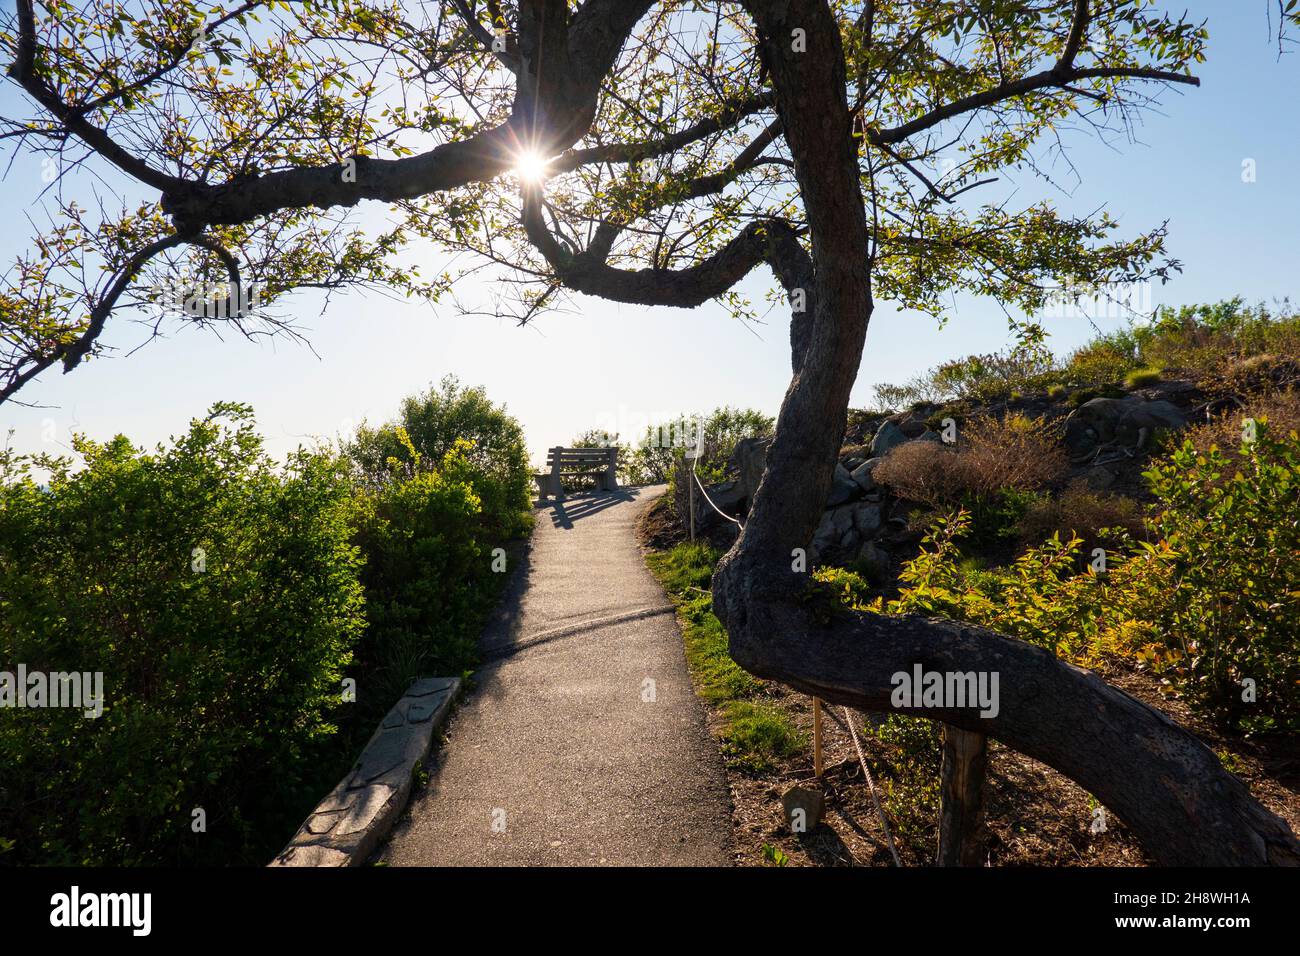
531,166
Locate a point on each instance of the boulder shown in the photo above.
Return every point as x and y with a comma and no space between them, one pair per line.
866,518
748,460
862,474
888,436
830,532
874,561
843,487
1126,424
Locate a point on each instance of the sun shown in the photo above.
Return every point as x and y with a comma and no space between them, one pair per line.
531,166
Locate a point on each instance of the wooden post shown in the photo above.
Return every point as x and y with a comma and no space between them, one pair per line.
965,760
817,737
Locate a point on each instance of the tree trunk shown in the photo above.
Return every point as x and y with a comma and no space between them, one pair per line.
1169,788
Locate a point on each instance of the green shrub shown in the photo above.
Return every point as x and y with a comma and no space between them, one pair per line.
1235,613
221,667
722,430
429,425
1080,512
981,378
428,578
1208,605
1104,360
911,779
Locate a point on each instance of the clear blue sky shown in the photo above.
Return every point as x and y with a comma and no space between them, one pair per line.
643,364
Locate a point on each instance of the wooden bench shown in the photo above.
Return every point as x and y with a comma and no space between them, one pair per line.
600,463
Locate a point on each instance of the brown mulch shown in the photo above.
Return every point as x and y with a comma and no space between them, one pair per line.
1034,816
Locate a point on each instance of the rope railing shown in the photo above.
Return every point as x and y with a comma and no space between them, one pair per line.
880,812
871,783
696,478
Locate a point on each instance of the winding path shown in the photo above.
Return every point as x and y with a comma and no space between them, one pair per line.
582,742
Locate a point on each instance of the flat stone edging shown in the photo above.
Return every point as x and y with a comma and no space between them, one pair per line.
348,824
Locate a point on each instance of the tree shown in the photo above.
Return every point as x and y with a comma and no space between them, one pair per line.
663,152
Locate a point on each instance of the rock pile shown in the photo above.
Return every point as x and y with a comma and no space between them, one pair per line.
864,523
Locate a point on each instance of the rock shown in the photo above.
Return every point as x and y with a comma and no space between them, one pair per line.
803,809
866,518
862,474
855,451
830,532
749,459
874,561
843,487
1099,478
313,855
851,464
1117,423
729,496
888,436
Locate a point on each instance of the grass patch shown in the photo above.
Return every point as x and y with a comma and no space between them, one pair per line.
1141,378
756,731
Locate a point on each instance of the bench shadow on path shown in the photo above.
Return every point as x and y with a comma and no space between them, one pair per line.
565,511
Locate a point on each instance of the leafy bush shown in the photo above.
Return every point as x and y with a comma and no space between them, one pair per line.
1199,339
1280,412
911,777
221,667
1234,614
1209,604
428,578
1204,340
982,378
429,425
720,432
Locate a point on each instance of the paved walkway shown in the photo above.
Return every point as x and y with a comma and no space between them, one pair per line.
555,759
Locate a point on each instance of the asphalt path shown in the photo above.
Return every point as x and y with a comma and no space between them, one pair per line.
582,742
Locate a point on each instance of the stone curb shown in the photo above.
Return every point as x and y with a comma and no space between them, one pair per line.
348,824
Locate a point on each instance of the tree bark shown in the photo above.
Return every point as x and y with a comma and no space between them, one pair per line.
1169,788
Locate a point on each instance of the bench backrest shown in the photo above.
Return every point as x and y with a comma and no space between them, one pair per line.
581,457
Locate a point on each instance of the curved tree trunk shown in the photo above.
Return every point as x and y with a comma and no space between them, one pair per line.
1167,786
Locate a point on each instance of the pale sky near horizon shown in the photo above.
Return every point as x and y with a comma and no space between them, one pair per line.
635,365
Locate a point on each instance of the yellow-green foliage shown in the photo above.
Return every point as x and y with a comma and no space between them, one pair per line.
1210,604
